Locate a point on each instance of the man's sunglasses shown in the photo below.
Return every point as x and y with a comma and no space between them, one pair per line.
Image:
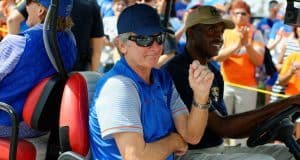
146,41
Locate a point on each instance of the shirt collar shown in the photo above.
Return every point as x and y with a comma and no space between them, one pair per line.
127,70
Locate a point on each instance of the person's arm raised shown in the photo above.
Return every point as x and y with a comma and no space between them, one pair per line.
227,51
14,21
191,127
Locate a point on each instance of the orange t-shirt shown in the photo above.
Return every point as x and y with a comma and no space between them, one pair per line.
293,86
238,68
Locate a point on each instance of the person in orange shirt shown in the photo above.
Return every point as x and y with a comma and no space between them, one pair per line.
242,51
290,74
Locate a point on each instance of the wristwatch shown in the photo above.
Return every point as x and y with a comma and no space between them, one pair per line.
202,106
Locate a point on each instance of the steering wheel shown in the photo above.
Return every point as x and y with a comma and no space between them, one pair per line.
264,132
278,127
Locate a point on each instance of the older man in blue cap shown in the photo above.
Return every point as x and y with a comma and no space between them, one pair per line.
136,111
24,61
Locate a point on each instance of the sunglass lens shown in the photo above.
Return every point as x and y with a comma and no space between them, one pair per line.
144,41
160,39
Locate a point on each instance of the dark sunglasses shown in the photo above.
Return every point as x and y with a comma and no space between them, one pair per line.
241,13
146,41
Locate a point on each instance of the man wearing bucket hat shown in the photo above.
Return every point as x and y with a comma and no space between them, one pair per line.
204,30
24,61
136,110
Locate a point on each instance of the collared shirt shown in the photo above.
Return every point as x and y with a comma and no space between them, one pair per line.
178,67
123,102
24,63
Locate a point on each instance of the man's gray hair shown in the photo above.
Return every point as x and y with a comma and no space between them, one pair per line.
124,37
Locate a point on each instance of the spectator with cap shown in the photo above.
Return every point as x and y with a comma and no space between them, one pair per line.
24,61
169,46
204,29
87,29
143,117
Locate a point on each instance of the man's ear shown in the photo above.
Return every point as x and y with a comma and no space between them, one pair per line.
190,34
42,12
122,47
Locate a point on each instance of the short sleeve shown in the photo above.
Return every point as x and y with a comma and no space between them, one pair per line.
177,105
287,64
118,107
258,37
11,49
97,26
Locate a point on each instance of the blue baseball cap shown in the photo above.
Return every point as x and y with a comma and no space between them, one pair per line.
65,6
140,19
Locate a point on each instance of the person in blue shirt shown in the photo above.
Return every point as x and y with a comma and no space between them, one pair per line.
87,30
204,29
265,24
24,61
105,8
136,111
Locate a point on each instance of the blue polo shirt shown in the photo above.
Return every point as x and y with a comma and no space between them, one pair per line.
123,102
24,63
178,67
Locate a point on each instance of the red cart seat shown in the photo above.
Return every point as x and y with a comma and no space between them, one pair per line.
41,111
79,90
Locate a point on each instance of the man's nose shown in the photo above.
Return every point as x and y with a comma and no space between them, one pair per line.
219,34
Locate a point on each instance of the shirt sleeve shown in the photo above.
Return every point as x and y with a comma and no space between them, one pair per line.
258,37
274,29
11,49
177,105
287,64
97,27
259,41
118,107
